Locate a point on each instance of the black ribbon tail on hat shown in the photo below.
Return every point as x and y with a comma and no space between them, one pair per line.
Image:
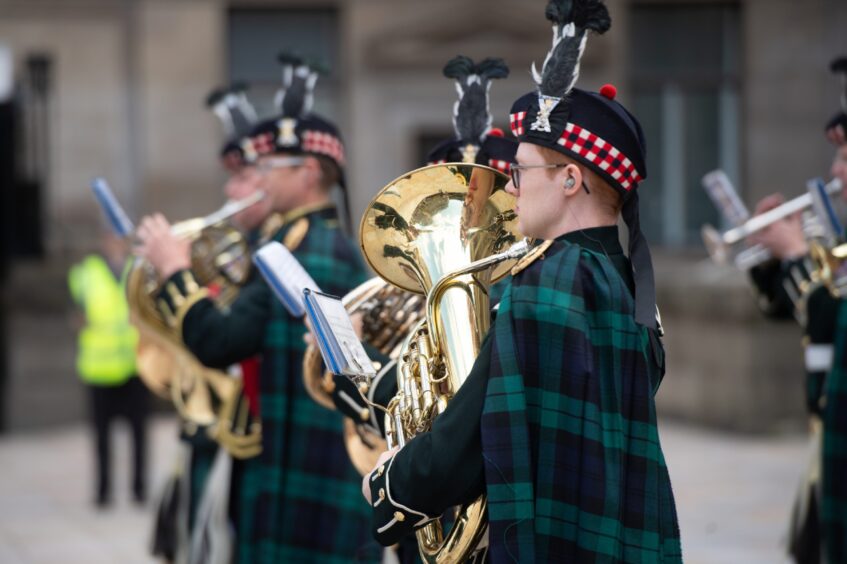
642,266
347,219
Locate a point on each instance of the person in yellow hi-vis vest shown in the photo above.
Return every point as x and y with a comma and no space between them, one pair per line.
106,359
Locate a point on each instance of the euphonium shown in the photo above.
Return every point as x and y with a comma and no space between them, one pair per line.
202,396
441,231
388,313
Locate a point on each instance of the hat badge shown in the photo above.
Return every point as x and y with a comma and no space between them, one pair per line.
546,105
469,153
287,136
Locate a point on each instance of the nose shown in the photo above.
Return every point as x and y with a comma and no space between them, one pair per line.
510,188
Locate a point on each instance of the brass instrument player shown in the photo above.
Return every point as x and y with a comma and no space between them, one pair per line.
826,344
475,141
306,505
178,527
557,422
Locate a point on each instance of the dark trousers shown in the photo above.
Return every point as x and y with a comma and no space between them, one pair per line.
129,400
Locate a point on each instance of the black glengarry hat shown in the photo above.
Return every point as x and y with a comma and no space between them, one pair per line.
591,128
839,67
475,141
296,130
237,117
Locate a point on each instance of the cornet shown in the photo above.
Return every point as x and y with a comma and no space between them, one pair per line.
723,246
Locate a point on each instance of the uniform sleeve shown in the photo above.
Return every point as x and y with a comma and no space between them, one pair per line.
822,317
435,470
350,402
769,281
218,339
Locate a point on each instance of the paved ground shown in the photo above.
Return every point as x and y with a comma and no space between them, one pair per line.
733,495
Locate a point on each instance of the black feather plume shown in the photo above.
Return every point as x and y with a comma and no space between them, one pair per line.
839,65
231,106
459,67
295,97
572,20
471,114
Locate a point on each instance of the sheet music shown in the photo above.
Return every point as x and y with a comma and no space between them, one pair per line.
115,214
345,353
726,199
285,275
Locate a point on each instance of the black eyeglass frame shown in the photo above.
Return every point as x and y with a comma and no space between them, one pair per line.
515,169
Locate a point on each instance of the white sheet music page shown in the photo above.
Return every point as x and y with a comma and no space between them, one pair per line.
285,275
355,361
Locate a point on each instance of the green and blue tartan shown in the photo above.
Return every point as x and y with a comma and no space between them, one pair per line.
301,500
309,506
833,502
573,466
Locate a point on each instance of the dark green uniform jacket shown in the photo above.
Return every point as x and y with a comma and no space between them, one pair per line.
556,423
308,507
833,408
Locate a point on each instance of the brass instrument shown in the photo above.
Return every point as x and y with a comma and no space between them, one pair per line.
441,230
723,246
829,267
388,315
202,396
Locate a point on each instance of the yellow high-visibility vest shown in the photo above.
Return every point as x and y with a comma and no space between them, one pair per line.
107,344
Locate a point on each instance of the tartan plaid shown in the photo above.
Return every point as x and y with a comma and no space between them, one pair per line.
323,143
573,466
308,507
833,504
516,123
501,165
601,153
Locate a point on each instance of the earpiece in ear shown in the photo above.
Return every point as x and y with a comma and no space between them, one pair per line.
570,182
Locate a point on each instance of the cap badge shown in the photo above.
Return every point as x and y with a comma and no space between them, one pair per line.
546,105
469,153
286,136
249,148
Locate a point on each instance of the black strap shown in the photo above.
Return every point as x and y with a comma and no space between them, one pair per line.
642,266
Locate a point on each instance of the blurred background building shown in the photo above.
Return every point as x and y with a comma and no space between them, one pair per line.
115,88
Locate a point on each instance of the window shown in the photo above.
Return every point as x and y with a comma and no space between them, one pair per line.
257,36
685,77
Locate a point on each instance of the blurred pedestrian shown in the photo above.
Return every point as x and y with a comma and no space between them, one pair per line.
106,359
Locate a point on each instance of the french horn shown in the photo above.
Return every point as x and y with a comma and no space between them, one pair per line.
204,397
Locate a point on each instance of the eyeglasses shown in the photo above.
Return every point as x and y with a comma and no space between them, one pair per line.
515,172
268,165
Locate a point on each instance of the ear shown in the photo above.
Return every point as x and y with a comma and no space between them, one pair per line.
313,168
571,179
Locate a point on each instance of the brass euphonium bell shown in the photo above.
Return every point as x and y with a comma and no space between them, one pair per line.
442,231
202,396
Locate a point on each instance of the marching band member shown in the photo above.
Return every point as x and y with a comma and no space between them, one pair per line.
557,421
306,507
825,344
475,141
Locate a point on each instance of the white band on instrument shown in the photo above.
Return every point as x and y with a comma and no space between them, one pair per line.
819,358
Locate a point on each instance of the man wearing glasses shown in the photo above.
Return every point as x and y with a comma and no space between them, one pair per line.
306,506
556,423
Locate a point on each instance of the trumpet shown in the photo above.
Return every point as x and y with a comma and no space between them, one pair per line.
721,246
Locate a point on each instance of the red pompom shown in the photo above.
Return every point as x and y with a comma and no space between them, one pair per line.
496,132
609,91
